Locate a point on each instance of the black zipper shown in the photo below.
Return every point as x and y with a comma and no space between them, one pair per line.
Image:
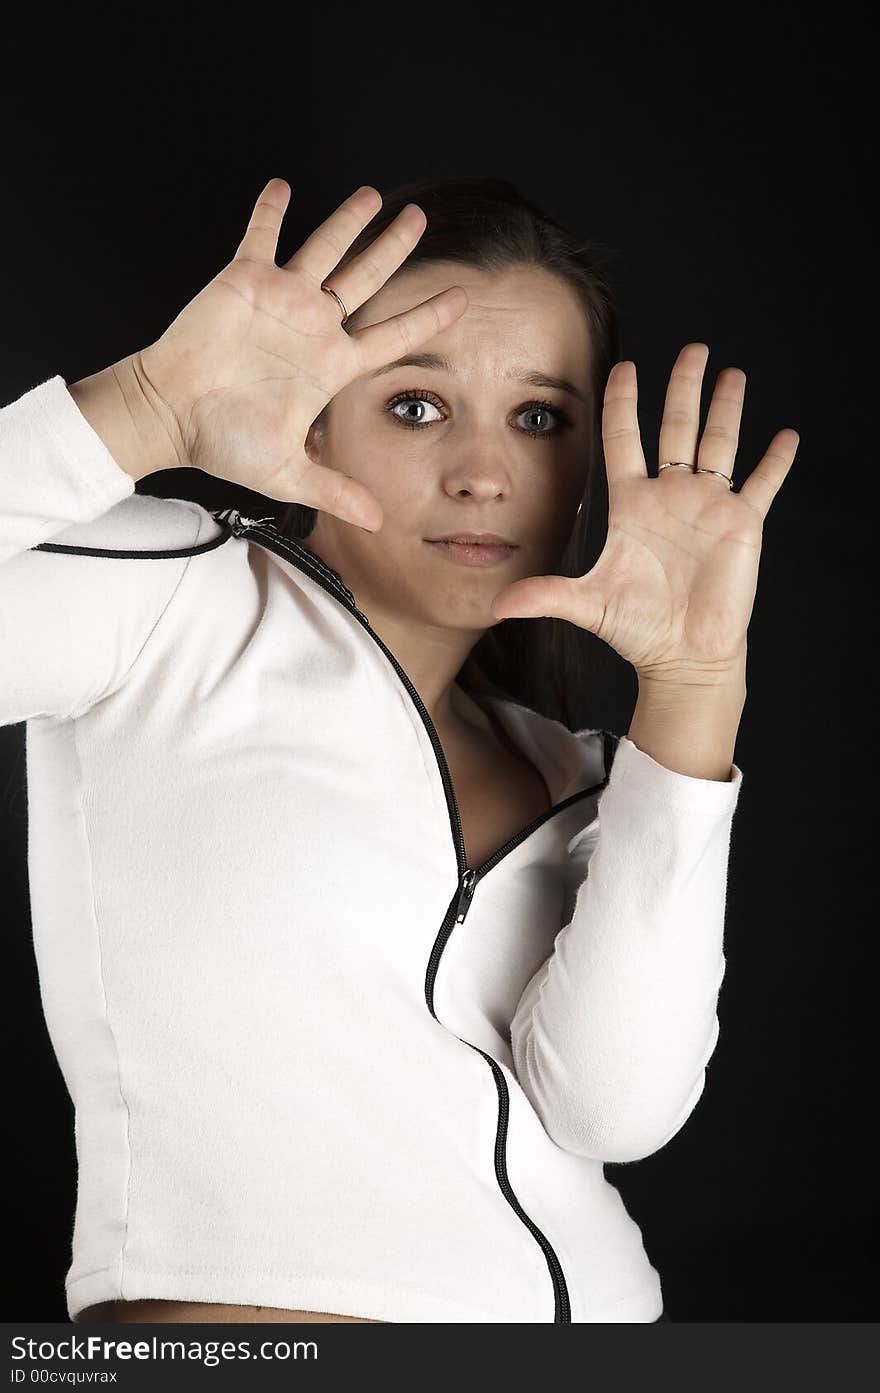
264,530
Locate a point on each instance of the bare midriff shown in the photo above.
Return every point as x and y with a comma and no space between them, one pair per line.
197,1312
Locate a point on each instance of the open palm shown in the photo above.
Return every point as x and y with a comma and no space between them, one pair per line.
674,587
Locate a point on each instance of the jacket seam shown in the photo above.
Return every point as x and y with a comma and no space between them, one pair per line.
104,1001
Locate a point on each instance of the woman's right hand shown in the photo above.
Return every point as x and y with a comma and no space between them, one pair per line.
245,368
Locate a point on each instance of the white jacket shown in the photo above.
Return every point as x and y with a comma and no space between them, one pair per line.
317,1062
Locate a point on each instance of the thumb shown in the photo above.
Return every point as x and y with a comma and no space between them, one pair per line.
341,495
552,597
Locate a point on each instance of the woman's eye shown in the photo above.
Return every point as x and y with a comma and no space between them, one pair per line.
409,403
414,415
540,411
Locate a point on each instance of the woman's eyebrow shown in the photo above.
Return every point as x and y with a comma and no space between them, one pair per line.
442,364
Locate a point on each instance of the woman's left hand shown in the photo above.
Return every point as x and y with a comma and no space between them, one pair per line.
674,587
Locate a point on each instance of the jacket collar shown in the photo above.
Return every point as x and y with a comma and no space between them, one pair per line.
567,761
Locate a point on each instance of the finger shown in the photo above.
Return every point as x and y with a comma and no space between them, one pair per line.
765,480
260,241
329,242
370,269
331,491
535,597
621,441
721,432
390,338
680,426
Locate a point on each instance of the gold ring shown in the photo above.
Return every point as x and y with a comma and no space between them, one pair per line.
331,291
695,469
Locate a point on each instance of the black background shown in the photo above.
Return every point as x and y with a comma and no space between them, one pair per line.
725,157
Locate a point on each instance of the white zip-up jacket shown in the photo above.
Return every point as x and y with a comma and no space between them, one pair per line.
317,1061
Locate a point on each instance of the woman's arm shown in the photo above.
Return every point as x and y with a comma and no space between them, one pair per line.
72,623
116,403
612,1034
691,726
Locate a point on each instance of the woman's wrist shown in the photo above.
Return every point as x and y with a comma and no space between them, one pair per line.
117,407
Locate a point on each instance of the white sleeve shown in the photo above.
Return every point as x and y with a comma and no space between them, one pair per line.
72,623
612,1034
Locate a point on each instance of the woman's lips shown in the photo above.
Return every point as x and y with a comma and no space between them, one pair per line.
473,553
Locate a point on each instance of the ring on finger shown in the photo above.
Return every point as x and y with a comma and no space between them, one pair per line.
695,469
331,291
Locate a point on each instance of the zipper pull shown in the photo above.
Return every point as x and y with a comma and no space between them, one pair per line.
238,523
234,519
465,895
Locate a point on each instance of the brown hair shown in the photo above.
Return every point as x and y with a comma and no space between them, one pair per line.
488,224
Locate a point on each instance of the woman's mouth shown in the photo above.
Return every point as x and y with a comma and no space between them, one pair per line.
473,553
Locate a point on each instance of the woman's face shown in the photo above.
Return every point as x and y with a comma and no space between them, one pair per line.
450,451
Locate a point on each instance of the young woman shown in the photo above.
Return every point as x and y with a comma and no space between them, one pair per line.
358,961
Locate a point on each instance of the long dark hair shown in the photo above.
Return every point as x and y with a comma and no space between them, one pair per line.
489,224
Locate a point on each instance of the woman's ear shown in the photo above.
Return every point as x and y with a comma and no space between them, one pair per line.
314,441
316,435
